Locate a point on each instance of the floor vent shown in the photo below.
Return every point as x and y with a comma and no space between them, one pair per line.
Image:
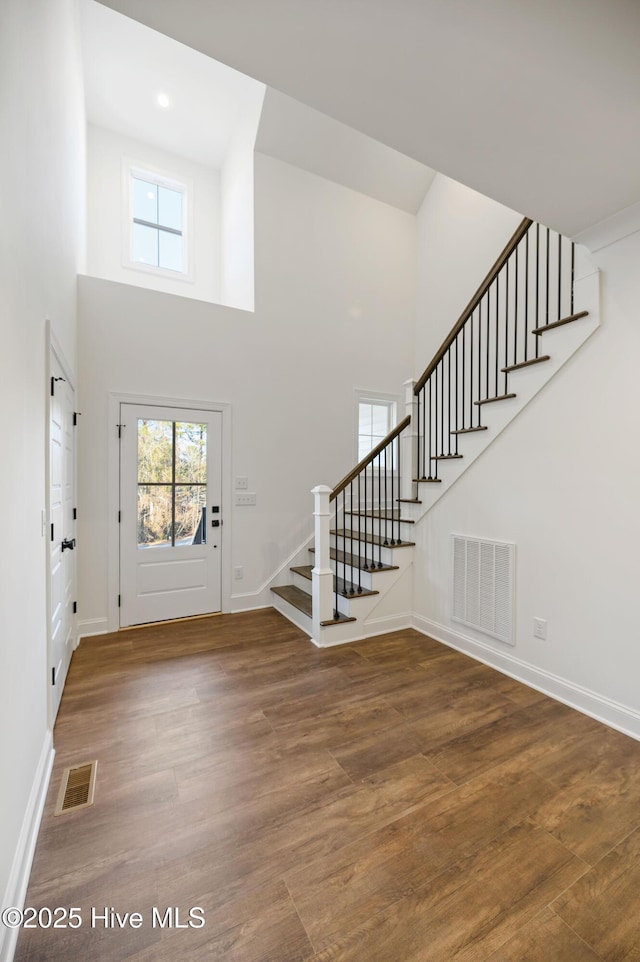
482,586
77,788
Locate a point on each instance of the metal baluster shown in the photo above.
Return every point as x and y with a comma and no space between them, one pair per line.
430,413
547,280
506,318
448,404
366,563
457,391
379,501
351,589
526,299
537,324
559,276
573,273
464,369
386,503
396,540
344,541
497,364
419,467
335,583
487,370
359,537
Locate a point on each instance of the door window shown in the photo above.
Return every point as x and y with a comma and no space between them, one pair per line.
172,483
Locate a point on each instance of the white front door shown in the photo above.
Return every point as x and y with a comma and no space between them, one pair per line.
170,521
62,567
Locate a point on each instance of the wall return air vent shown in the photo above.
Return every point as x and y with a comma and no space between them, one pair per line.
482,586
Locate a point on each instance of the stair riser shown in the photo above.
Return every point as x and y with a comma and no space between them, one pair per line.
377,526
349,573
374,553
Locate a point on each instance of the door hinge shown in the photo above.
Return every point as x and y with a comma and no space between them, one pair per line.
75,514
120,427
76,415
119,599
119,517
53,384
53,676
52,531
75,607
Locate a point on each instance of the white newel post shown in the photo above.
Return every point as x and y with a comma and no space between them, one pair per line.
321,574
409,442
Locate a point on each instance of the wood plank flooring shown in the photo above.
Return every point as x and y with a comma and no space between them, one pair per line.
389,801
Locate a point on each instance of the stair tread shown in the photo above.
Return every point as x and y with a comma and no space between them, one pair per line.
370,538
447,457
480,427
489,400
344,587
302,601
563,320
353,561
295,596
427,480
409,500
381,515
522,364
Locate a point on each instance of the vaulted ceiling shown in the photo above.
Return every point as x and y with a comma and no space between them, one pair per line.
533,102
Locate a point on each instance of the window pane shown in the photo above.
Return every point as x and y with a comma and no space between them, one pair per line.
169,208
145,201
364,418
380,420
170,251
364,446
190,502
191,453
145,245
155,451
154,516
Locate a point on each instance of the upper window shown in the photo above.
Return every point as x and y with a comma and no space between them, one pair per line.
157,223
376,417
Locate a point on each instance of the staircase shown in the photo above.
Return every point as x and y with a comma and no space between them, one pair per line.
357,579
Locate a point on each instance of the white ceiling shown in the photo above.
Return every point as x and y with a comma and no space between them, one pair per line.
126,66
309,139
536,103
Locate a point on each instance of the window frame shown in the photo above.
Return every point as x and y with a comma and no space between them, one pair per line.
391,401
134,170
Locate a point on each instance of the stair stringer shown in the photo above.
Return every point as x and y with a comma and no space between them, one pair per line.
561,344
389,610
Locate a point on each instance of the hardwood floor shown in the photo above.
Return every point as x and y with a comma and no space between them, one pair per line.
389,801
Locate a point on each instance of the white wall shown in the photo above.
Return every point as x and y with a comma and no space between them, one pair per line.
560,482
335,294
42,173
460,234
106,152
237,233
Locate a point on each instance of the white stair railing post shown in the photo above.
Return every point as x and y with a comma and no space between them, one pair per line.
321,574
409,442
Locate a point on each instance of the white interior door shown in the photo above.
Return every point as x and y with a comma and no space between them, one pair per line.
62,525
170,521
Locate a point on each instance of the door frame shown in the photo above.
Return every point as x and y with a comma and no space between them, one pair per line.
113,492
53,347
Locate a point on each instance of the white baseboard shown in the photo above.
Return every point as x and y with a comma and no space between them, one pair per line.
378,626
93,626
621,717
19,877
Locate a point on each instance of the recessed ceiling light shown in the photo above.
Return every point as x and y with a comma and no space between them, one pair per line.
163,101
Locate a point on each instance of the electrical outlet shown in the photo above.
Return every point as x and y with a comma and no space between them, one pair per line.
238,572
540,628
248,497
242,484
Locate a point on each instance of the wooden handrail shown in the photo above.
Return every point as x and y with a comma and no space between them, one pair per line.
513,242
372,454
